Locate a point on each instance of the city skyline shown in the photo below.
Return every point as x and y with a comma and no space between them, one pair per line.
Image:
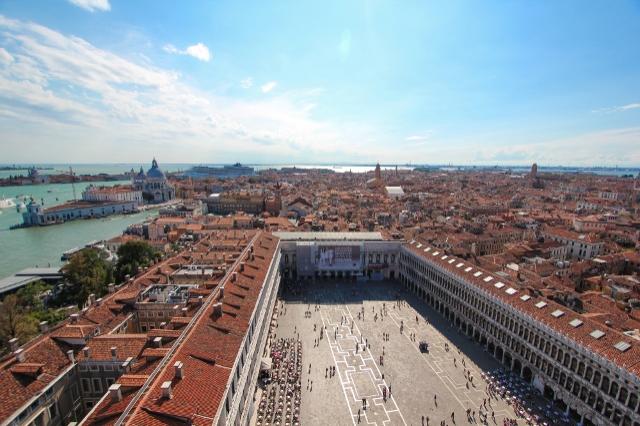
287,84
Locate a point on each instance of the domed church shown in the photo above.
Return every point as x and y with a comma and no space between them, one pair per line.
154,184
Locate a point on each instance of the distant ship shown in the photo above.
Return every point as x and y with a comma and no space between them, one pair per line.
6,203
225,172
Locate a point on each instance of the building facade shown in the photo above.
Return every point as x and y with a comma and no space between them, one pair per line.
154,185
592,372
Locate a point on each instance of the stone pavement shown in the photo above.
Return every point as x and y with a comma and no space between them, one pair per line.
415,377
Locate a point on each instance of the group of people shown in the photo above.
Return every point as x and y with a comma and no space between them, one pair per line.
280,403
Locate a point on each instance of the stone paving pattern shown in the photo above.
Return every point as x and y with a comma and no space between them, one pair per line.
414,377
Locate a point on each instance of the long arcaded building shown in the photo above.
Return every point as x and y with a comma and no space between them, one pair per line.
593,370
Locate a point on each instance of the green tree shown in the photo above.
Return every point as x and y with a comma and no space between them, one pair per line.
133,255
30,296
14,322
86,272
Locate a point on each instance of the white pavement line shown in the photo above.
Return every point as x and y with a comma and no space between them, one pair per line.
391,397
344,391
352,385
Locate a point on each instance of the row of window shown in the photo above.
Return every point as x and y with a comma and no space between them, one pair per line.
455,295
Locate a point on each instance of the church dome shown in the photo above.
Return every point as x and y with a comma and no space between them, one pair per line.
154,172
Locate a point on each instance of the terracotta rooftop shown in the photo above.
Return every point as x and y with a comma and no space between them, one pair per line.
613,346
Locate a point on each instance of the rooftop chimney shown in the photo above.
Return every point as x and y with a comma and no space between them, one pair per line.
19,355
166,389
86,351
92,299
112,287
74,318
115,392
163,324
99,301
126,366
184,311
157,342
71,356
13,344
234,276
217,310
44,326
114,352
178,366
241,266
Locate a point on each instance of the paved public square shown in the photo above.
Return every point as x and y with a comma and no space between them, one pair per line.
430,384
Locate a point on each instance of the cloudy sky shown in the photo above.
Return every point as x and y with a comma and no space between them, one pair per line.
487,82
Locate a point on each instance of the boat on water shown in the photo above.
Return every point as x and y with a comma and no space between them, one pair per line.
21,206
6,203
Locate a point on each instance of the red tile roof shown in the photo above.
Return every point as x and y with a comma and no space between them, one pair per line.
628,359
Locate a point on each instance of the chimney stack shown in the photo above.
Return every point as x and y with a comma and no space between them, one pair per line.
157,342
71,356
99,301
86,351
92,299
178,366
166,389
19,355
74,318
114,352
44,326
217,310
184,311
115,392
234,277
13,344
241,266
126,366
112,287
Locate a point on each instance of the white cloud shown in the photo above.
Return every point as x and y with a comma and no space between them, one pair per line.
246,83
267,87
92,5
620,108
198,51
67,100
5,57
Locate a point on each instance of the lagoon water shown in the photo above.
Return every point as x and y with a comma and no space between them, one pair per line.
43,246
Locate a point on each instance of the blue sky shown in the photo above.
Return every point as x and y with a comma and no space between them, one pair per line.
488,82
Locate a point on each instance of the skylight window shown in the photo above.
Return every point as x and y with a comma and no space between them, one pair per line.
525,297
468,269
541,304
451,261
444,257
460,265
419,245
597,334
576,323
412,242
427,249
511,291
557,313
622,346
498,285
487,279
477,274
435,253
